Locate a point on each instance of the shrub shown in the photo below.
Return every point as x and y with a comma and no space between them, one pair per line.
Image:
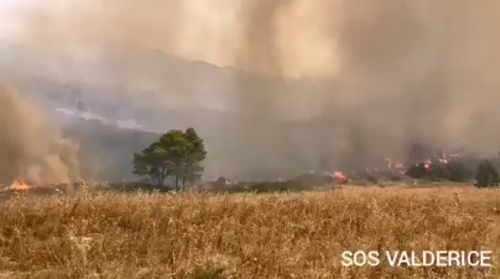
486,176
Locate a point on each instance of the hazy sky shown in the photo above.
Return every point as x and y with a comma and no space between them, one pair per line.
10,13
7,4
213,31
7,13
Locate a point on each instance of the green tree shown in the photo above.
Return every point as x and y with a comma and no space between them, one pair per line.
176,154
417,171
439,172
152,162
458,171
486,175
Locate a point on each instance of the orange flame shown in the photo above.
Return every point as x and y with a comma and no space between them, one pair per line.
342,177
19,186
428,164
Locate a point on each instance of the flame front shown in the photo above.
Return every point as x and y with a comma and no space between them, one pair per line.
19,186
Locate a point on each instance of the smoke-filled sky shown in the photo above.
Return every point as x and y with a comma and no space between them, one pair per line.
392,72
214,31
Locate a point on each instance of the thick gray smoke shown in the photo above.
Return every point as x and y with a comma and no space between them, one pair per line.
420,71
376,76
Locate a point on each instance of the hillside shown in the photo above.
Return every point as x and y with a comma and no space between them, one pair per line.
159,92
255,127
106,150
146,86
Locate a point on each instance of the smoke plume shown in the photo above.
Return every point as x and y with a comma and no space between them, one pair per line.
30,149
365,79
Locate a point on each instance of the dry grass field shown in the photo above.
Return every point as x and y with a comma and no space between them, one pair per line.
201,235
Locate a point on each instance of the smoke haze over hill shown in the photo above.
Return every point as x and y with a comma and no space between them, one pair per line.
371,78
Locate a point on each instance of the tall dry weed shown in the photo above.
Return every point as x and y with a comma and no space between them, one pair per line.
193,235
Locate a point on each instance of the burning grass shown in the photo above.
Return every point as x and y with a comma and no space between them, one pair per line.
207,235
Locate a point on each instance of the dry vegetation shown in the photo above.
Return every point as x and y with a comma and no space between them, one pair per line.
194,235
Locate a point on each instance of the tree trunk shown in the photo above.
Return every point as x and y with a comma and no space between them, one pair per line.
184,179
176,183
163,175
155,180
185,172
161,180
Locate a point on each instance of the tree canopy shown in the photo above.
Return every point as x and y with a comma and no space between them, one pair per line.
487,175
175,155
